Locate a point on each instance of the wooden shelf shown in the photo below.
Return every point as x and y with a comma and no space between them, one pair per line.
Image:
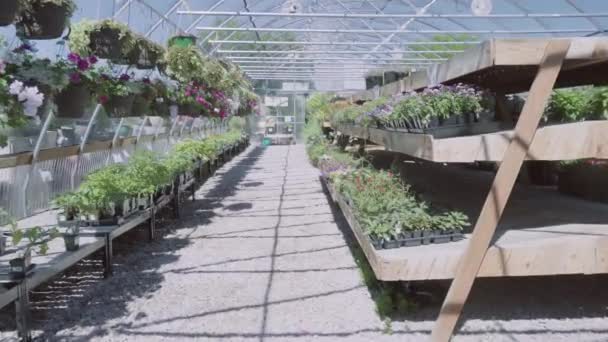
541,232
507,65
578,140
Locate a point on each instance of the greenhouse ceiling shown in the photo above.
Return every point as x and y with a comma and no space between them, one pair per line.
340,41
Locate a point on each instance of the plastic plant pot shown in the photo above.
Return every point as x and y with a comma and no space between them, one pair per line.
9,12
182,41
119,106
47,21
73,101
20,264
72,242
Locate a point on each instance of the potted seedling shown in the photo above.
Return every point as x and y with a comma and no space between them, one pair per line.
71,205
44,19
449,226
36,238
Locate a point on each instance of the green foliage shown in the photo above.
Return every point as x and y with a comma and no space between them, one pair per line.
237,123
599,104
80,37
184,64
37,237
318,106
569,105
144,174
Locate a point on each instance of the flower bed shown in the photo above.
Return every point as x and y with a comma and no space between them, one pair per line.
389,212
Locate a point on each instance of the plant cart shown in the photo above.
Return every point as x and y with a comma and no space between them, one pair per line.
505,66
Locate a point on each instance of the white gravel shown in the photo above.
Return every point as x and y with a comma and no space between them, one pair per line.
260,257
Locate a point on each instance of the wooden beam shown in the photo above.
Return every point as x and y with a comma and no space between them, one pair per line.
491,212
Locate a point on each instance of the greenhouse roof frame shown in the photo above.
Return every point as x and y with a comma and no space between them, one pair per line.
406,29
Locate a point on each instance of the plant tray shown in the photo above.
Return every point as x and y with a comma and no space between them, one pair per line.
432,237
448,131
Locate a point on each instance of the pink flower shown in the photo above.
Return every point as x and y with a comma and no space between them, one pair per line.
74,58
83,65
75,77
103,99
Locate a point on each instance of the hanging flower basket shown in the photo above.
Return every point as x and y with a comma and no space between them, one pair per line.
9,12
182,41
113,41
73,101
44,20
146,54
119,106
189,110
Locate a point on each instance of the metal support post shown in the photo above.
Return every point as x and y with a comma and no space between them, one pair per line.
22,311
107,260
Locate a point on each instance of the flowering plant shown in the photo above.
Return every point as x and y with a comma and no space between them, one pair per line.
17,101
116,86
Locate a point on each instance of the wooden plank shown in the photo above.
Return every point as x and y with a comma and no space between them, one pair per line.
509,65
579,140
492,210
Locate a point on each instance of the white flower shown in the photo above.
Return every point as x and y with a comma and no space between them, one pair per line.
216,110
15,88
160,100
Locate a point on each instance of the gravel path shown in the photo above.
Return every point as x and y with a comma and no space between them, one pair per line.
260,256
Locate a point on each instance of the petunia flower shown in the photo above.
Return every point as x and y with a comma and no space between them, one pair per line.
83,65
75,77
103,99
15,88
93,59
73,57
124,77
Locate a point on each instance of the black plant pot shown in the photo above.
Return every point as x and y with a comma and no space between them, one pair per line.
73,101
107,43
8,12
119,106
20,265
377,243
441,237
141,106
392,244
189,110
47,21
72,242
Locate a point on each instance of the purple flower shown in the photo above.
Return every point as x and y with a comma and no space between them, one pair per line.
83,65
74,58
93,59
75,77
146,80
125,77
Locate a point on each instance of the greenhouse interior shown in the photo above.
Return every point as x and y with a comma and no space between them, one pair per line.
303,170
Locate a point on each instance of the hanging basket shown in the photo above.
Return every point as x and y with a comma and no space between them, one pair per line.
141,106
73,101
189,110
182,41
46,21
8,12
107,43
161,109
119,106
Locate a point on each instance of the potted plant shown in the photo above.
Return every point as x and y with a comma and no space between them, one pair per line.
117,94
184,64
19,103
37,238
72,206
73,100
146,54
9,12
182,41
106,39
144,100
44,19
